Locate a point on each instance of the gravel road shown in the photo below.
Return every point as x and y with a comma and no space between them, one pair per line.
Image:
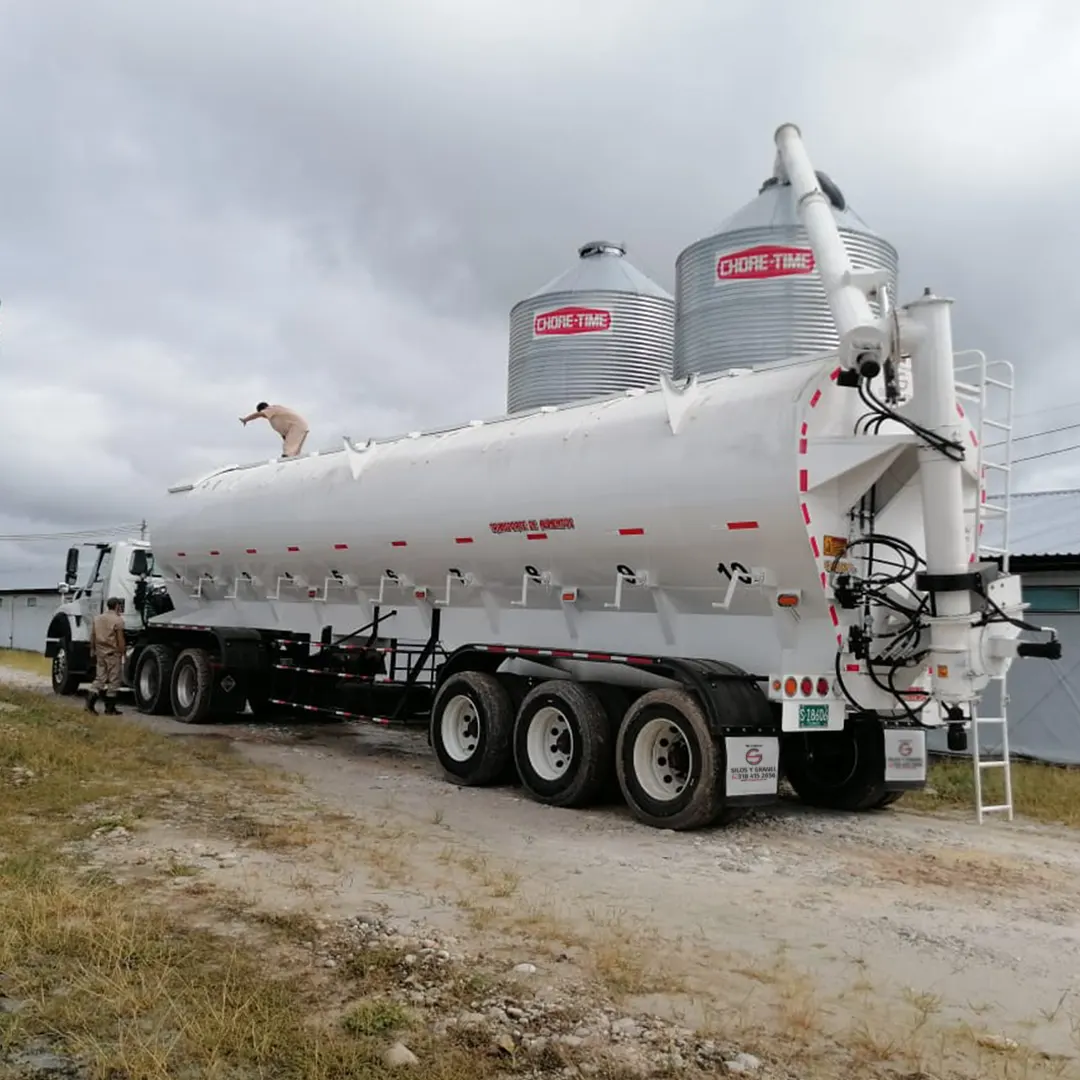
855,917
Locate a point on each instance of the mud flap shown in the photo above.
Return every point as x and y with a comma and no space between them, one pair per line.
752,769
905,759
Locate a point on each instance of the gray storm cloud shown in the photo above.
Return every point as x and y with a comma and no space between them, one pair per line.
334,205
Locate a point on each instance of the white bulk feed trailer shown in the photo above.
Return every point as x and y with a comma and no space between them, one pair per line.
691,589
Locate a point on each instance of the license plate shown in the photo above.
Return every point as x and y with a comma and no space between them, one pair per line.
813,716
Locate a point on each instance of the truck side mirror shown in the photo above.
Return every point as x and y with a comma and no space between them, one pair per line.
71,570
142,563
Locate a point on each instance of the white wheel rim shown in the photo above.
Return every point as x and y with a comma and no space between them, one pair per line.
185,687
549,743
663,760
460,728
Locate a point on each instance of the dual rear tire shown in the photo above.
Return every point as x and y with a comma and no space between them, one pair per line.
562,742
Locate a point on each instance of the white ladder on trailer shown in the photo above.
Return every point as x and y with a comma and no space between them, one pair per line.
988,386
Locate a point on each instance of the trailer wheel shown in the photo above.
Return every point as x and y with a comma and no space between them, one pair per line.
838,770
191,687
152,680
562,744
64,680
669,763
472,724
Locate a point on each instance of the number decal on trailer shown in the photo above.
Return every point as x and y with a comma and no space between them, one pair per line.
738,568
534,574
390,574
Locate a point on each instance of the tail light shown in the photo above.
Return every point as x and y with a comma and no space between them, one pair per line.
790,686
807,686
823,687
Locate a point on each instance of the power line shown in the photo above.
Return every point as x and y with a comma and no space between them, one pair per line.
73,534
1047,453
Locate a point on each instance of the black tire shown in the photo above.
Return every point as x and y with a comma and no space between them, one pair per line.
191,687
64,680
657,722
151,682
473,713
838,770
616,700
562,744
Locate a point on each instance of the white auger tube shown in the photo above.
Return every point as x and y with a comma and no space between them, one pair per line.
926,327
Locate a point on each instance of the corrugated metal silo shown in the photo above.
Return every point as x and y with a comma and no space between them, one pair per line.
750,294
599,328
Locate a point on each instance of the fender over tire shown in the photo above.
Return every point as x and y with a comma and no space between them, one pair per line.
472,724
562,744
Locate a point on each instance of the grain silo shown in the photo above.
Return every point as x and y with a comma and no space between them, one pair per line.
750,293
599,328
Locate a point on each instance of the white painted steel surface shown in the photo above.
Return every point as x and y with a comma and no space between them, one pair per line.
670,506
599,328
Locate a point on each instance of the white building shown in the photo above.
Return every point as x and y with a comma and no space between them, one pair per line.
24,617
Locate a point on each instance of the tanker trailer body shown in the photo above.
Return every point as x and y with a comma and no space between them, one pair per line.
690,587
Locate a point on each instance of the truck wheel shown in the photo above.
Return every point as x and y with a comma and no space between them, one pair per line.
152,680
562,744
668,762
472,724
64,680
837,770
191,687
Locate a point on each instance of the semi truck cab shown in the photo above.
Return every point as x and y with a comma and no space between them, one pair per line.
121,568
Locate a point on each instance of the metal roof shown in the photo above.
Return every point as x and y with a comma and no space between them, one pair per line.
29,591
1045,523
775,207
602,267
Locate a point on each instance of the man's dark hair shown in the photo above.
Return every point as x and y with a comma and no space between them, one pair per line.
113,603
262,405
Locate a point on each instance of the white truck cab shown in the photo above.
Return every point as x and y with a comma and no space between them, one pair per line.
121,568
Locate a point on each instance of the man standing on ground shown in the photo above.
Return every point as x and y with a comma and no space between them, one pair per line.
107,647
290,425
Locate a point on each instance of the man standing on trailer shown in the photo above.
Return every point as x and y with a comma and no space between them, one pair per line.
107,647
289,424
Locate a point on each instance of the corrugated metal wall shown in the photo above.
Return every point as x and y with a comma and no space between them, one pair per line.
24,619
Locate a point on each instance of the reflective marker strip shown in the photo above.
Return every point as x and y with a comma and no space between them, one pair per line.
292,549
463,539
215,552
181,554
806,513
398,543
733,525
536,536
804,479
250,551
815,399
814,547
631,532
832,615
834,374
341,547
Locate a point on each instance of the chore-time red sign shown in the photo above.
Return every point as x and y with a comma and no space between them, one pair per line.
560,322
764,261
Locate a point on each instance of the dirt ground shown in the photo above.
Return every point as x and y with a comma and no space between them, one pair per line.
866,926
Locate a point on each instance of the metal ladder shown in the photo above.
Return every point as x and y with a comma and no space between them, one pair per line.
989,386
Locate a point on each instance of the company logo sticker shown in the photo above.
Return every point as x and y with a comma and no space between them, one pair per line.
565,321
754,756
764,261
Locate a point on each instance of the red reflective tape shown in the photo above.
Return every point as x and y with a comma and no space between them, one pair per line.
804,479
251,551
853,667
341,547
824,580
835,374
832,615
181,554
631,532
495,648
805,513
814,547
398,543
974,439
840,640
960,410
802,446
815,399
598,656
292,549
733,525
215,552
638,660
804,428
536,536
463,539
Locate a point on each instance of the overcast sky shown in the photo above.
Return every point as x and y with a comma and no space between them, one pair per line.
334,204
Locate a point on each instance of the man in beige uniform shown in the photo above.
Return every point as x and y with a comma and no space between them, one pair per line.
290,425
107,649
